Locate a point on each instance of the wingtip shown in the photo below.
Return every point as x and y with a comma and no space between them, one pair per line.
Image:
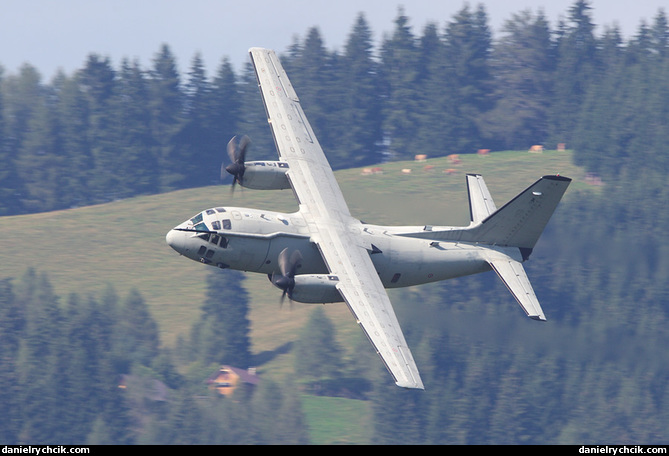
257,48
411,385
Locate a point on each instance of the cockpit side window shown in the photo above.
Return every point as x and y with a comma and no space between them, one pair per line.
216,225
226,224
197,219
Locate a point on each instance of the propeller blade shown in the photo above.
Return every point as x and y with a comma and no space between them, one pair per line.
237,149
285,279
237,153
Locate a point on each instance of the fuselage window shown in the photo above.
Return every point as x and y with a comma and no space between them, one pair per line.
210,253
226,224
215,239
216,225
202,250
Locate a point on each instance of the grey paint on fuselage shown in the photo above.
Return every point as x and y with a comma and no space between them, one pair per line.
251,240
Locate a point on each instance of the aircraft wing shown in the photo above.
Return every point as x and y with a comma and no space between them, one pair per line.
331,226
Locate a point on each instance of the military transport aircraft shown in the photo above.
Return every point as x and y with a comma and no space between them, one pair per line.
322,254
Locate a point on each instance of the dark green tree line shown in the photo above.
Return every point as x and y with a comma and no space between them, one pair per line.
62,364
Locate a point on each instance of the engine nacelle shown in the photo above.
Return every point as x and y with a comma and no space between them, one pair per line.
316,289
266,175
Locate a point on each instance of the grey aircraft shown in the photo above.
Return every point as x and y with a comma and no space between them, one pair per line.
322,254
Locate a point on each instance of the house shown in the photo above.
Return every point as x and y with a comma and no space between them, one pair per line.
228,378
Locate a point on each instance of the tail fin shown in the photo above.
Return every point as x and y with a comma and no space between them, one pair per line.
520,222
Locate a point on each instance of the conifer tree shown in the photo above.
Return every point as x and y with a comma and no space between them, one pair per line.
400,66
8,182
41,159
576,64
166,119
361,104
138,330
523,68
195,137
98,83
468,44
317,353
78,168
222,334
224,121
137,157
12,322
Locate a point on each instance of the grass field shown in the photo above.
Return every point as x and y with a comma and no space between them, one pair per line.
123,243
337,421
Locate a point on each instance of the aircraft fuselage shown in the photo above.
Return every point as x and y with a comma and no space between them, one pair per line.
251,240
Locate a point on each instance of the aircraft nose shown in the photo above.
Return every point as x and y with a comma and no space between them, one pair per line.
176,240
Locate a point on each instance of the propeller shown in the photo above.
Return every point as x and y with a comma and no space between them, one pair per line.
237,153
288,264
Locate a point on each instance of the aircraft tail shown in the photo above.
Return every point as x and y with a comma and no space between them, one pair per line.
507,235
518,223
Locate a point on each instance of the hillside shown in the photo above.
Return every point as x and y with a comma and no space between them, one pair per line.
122,243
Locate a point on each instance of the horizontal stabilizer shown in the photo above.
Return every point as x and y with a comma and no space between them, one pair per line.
514,277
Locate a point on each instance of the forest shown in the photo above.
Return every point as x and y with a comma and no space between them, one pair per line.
596,374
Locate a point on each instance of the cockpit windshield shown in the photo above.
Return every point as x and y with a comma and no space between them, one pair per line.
198,222
197,219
